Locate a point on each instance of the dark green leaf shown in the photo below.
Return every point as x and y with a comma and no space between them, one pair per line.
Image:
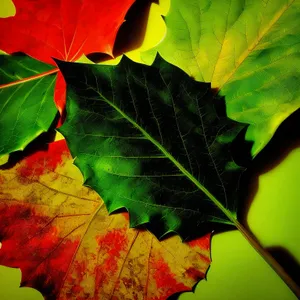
149,139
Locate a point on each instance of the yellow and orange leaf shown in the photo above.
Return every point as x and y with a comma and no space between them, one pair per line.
68,247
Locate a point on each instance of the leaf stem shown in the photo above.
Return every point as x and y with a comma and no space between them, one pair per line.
268,258
258,247
261,250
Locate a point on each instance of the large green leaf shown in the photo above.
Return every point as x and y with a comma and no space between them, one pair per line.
248,49
149,139
26,101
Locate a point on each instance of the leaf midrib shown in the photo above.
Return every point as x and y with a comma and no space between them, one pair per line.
220,83
228,214
30,78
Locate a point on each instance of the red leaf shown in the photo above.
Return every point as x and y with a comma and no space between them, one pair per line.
68,247
63,29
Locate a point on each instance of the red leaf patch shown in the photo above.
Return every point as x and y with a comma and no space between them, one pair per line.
68,247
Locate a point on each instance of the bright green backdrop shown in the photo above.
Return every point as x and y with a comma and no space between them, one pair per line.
237,271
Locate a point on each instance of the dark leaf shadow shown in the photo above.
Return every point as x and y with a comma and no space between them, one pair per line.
132,32
285,139
287,261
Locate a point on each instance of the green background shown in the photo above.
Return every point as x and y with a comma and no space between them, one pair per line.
237,271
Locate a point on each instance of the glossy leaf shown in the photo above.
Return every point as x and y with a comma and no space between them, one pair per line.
63,29
26,107
249,50
149,139
67,246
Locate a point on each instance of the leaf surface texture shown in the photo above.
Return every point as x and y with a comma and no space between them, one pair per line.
149,139
69,247
26,107
249,50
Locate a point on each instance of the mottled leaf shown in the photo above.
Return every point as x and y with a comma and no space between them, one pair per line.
149,139
68,247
